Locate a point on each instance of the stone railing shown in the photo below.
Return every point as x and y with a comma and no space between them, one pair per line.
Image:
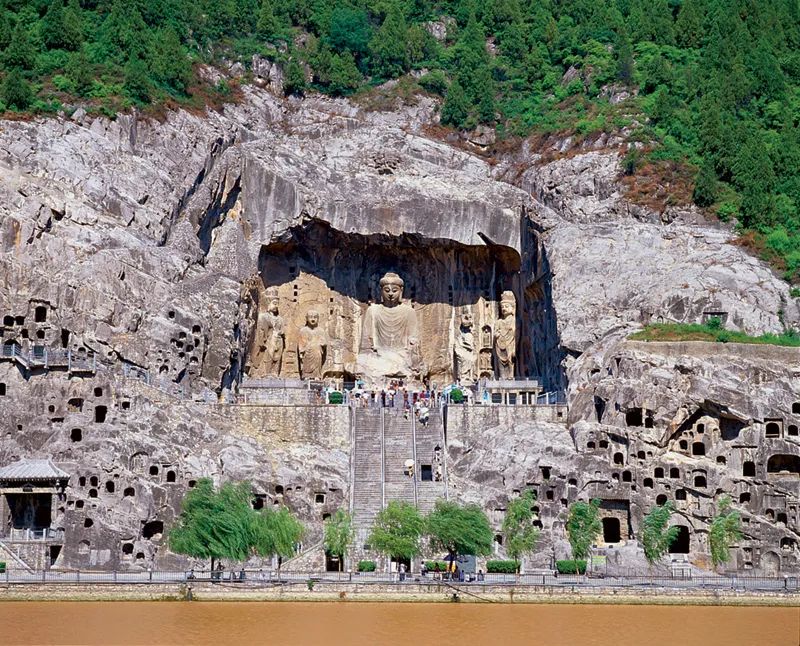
33,534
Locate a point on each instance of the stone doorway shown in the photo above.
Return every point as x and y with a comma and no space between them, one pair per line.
682,544
611,530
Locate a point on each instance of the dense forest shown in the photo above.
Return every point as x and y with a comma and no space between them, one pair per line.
711,86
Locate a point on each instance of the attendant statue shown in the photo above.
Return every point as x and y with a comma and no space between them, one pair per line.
465,349
312,346
390,336
270,338
505,336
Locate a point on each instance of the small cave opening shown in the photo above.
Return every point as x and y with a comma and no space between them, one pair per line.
782,464
153,530
698,448
749,469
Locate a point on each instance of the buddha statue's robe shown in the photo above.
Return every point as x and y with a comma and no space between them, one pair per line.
312,344
389,343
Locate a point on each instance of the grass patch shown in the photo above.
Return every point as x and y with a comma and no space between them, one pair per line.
711,331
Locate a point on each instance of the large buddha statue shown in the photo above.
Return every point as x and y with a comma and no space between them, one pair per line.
464,350
390,337
269,338
505,336
312,346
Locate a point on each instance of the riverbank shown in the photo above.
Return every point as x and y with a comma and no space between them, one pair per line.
407,593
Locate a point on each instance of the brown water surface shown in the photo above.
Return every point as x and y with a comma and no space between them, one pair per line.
241,623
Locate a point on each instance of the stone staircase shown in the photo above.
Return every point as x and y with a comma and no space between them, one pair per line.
367,470
398,448
429,445
383,440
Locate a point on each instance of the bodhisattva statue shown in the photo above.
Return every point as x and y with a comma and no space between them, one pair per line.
312,346
505,336
270,339
390,337
465,349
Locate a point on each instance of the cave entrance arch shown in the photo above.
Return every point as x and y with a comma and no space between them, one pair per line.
682,543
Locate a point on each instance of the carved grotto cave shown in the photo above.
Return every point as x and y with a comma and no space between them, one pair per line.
337,274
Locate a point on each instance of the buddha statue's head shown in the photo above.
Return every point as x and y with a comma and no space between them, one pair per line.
508,304
312,319
272,300
467,319
391,289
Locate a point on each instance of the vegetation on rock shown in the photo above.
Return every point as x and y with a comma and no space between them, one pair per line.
711,331
714,85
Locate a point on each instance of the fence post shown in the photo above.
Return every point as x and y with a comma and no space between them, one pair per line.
115,576
44,573
78,576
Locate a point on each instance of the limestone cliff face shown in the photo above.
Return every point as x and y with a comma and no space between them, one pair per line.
149,244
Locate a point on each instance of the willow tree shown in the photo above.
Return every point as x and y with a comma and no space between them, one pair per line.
459,529
338,535
276,532
518,527
583,526
397,530
215,524
656,535
726,529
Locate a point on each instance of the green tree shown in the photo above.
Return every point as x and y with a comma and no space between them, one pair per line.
79,71
583,527
455,108
275,532
338,535
485,91
137,81
267,25
20,52
726,529
344,74
349,30
397,531
624,53
52,25
459,529
689,24
656,535
215,524
294,81
168,63
16,91
705,184
518,527
388,56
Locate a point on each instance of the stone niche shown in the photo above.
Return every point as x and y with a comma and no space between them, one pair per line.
337,274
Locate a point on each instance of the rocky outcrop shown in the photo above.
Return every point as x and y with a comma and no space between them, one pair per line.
143,245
